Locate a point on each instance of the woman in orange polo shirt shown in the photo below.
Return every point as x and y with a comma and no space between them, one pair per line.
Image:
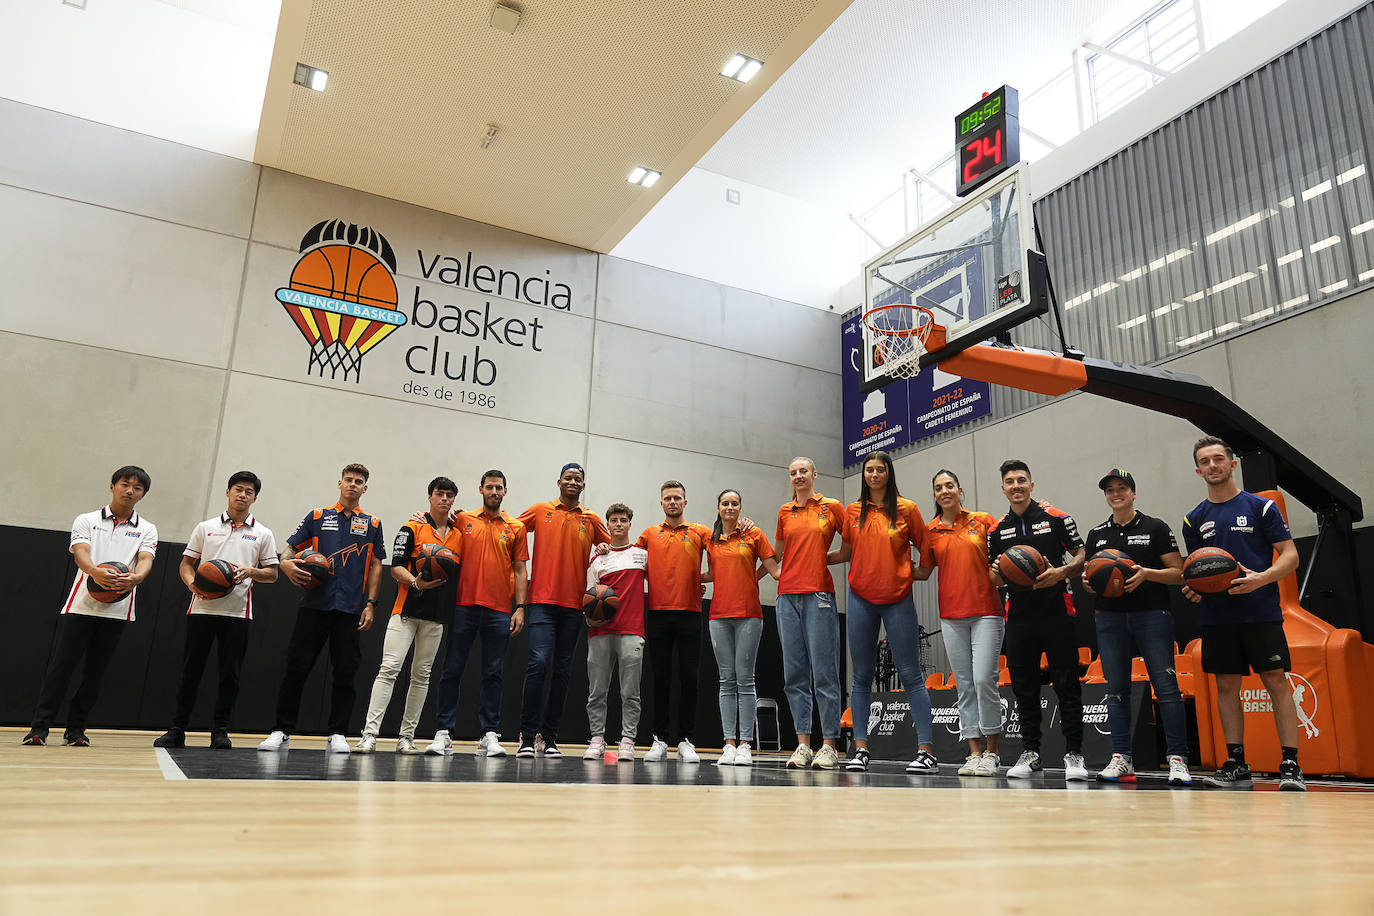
884,529
736,622
971,617
808,623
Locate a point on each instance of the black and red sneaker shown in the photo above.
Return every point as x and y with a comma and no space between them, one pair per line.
34,739
77,740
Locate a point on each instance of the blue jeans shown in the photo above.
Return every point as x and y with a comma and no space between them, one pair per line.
973,645
553,640
1153,634
494,627
899,620
735,641
809,628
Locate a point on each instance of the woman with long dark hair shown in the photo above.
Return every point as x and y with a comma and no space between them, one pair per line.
736,621
971,617
884,528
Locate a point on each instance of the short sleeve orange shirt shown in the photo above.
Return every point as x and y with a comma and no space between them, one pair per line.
960,553
880,568
734,573
563,541
490,547
675,565
803,535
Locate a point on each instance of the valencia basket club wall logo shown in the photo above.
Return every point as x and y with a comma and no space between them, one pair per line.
342,296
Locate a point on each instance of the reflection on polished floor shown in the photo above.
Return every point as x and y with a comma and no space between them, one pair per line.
120,828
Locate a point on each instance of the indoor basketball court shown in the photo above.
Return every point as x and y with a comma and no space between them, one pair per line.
409,261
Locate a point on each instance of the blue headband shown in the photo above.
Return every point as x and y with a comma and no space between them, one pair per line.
574,465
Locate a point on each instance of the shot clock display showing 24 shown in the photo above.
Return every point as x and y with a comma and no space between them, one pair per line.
988,138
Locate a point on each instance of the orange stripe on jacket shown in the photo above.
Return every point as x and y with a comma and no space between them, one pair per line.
880,570
734,565
563,541
803,535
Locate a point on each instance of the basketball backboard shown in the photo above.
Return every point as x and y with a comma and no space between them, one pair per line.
972,267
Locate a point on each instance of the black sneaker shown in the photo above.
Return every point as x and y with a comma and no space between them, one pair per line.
858,761
34,739
1290,777
77,740
551,749
925,764
526,751
219,739
1230,775
173,737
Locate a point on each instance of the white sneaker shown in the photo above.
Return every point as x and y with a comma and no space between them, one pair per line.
727,756
743,756
626,750
596,749
277,741
441,746
366,744
657,752
970,767
826,758
1026,764
990,764
1178,771
1118,769
338,744
1074,769
406,746
687,753
801,758
490,746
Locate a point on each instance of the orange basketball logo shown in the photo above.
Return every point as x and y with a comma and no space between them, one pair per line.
342,296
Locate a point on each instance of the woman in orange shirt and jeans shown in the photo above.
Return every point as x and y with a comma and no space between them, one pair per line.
883,530
971,617
736,622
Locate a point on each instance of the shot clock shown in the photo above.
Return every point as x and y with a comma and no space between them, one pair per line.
988,138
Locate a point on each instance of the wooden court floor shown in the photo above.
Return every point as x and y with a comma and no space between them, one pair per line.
103,829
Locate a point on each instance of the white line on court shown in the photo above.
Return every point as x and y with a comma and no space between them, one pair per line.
167,765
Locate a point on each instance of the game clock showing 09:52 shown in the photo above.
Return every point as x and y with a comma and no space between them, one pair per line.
988,138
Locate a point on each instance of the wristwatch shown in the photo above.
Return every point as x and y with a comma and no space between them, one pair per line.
519,607
369,601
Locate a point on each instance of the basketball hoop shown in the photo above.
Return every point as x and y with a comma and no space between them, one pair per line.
901,332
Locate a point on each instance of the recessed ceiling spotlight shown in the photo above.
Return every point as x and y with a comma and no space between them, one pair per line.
741,68
643,177
311,77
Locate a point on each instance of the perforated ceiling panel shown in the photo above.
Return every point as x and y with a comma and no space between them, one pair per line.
582,93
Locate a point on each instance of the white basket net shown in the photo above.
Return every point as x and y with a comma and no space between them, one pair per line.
901,332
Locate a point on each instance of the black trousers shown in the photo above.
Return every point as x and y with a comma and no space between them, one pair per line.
78,635
669,632
1051,631
229,635
313,629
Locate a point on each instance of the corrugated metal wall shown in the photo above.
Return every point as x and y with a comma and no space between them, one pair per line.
1255,204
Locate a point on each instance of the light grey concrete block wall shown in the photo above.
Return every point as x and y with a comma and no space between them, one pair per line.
1308,378
139,324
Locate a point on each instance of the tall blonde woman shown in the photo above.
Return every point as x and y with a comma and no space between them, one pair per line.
808,622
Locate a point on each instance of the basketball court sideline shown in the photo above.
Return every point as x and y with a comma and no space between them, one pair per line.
388,831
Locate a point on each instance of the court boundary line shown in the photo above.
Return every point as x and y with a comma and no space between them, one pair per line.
168,766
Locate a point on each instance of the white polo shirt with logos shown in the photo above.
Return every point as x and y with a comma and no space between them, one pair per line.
110,540
250,544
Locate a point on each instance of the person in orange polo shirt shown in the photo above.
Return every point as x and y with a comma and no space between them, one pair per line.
673,622
808,622
492,572
564,532
972,617
736,621
883,529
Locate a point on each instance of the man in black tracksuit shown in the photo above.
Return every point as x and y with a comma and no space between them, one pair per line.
1040,619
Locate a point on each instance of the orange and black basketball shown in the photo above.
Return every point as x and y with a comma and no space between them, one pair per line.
316,565
101,593
1020,566
1210,570
214,579
435,561
599,604
1107,572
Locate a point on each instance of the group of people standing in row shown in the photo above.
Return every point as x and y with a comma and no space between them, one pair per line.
659,580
